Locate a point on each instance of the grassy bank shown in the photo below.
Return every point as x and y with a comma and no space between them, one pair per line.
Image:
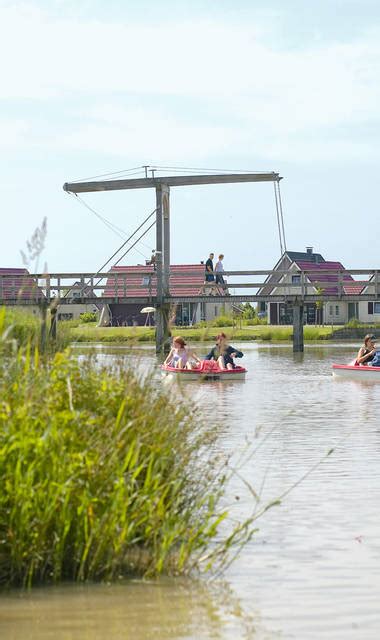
102,475
91,333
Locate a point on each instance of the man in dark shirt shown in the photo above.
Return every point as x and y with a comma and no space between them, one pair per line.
223,353
209,276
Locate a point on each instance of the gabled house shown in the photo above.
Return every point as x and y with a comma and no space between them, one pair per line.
73,310
18,287
369,310
335,311
141,281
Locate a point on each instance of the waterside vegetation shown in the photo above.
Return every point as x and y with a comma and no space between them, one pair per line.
92,333
103,474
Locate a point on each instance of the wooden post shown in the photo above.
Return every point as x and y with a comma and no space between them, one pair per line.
43,334
160,321
159,244
53,322
162,268
298,328
165,191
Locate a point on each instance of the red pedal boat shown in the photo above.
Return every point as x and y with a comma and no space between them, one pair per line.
356,371
207,370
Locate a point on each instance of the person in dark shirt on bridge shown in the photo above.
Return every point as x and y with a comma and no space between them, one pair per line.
223,353
209,276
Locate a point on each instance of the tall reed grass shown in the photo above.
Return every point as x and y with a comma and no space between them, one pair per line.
24,327
19,325
102,475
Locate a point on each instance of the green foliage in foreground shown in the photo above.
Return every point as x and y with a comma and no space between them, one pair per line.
19,325
102,475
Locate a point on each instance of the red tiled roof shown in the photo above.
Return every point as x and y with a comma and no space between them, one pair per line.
316,274
141,280
18,285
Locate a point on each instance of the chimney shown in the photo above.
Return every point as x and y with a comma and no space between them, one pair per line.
309,250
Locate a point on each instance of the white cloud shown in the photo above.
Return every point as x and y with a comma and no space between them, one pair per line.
12,133
266,99
143,133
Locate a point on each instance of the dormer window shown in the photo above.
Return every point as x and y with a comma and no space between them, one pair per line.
296,279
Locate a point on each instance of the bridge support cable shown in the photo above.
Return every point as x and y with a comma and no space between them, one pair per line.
281,215
132,245
127,241
278,218
113,227
116,229
105,314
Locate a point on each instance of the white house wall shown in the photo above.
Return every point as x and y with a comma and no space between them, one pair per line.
75,310
369,318
335,312
364,316
215,309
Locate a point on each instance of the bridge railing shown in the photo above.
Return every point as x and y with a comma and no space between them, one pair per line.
68,288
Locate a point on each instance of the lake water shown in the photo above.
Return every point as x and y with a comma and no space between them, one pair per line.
312,570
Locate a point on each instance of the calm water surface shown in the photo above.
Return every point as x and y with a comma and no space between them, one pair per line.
313,569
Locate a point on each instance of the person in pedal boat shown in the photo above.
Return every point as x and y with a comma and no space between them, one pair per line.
180,356
367,352
223,353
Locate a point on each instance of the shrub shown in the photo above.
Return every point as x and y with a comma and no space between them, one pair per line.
252,322
223,321
353,323
101,475
249,312
88,316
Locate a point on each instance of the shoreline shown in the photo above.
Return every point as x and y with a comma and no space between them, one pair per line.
255,333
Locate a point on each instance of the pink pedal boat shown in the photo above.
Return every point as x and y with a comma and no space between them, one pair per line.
208,370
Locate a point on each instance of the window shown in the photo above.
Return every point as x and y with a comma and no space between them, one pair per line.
376,307
65,316
145,281
296,279
337,310
331,311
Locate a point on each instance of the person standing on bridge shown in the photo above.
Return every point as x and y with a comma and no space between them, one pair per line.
219,270
219,273
209,275
209,272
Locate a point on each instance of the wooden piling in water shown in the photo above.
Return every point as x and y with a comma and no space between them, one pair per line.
298,328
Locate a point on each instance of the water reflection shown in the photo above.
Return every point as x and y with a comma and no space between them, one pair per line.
136,610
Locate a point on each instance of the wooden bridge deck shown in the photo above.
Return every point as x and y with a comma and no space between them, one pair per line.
44,288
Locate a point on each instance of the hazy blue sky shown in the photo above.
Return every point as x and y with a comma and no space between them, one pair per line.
291,86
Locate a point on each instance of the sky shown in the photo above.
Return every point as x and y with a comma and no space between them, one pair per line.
94,87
